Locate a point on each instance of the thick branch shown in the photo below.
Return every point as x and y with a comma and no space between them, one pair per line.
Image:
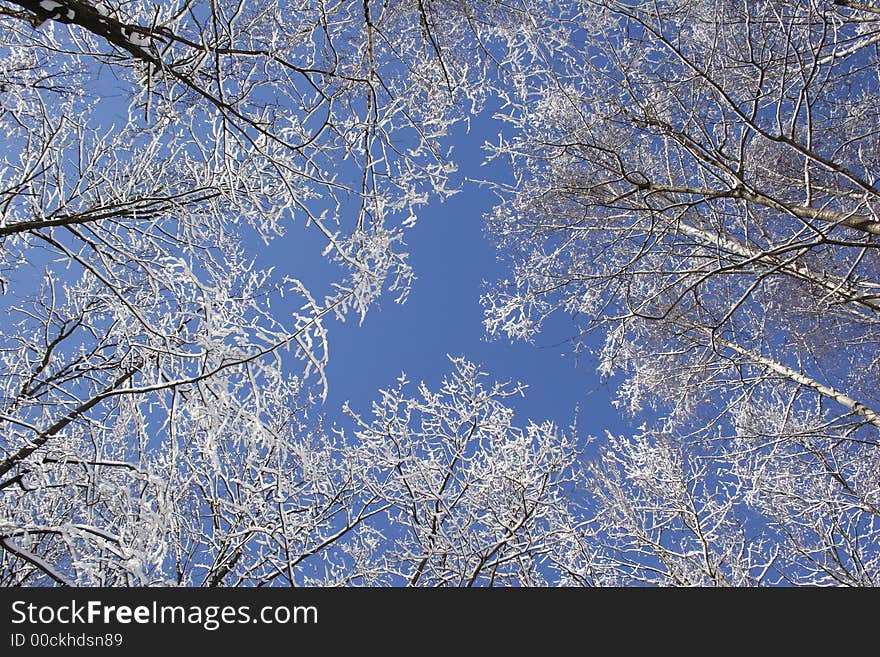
130,38
833,285
145,208
859,408
7,464
862,222
34,560
139,42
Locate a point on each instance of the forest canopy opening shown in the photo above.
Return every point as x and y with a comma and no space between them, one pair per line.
693,185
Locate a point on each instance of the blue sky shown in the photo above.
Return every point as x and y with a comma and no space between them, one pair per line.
452,258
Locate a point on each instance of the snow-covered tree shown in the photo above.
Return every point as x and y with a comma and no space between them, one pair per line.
190,189
149,347
472,499
699,184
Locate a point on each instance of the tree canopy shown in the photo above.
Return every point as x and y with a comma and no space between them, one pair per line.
696,184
